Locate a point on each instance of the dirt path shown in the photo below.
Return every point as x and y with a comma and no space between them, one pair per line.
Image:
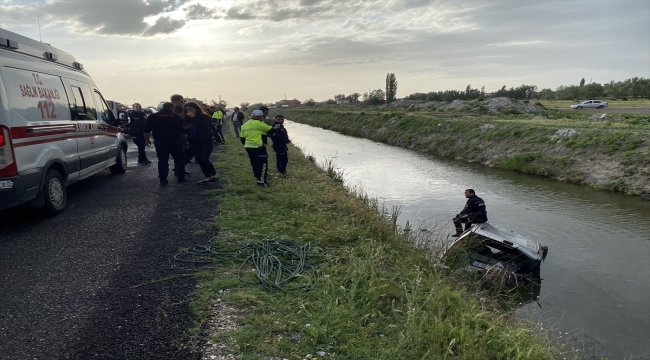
99,280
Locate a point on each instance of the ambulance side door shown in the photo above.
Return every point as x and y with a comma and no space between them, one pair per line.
91,156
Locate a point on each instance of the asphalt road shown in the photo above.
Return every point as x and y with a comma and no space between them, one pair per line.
99,280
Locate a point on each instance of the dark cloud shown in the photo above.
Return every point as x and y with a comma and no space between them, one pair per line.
201,12
164,25
116,17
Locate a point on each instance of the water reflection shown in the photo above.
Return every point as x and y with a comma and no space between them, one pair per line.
596,274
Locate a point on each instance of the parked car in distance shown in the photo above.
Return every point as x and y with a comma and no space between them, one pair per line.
596,104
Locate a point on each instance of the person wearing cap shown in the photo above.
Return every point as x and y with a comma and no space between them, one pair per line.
280,139
253,137
167,129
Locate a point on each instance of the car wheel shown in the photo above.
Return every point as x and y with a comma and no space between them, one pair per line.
54,192
599,107
578,107
120,162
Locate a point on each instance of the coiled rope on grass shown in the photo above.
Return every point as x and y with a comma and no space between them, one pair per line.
277,264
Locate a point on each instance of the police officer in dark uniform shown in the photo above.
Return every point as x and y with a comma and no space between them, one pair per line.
474,212
136,129
170,139
280,139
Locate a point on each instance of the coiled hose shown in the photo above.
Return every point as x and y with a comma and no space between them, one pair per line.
277,264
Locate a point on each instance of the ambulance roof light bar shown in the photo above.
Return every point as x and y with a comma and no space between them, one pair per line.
50,56
8,43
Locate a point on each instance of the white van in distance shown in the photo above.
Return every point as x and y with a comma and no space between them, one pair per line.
55,127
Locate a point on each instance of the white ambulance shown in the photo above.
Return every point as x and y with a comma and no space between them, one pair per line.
55,127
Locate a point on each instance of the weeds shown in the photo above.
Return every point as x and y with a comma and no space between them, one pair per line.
377,297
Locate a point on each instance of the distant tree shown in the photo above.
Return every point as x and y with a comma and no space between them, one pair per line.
375,97
310,102
548,94
244,106
330,101
582,82
255,106
355,97
339,97
391,87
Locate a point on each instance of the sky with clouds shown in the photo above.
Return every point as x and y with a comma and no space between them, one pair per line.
260,50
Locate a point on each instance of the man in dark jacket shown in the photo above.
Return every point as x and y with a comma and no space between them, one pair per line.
237,120
474,212
178,102
167,129
280,139
137,120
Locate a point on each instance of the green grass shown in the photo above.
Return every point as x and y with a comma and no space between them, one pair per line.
378,297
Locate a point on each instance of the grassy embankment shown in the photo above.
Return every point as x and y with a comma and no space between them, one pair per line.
613,154
378,297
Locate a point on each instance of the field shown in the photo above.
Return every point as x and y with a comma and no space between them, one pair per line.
611,154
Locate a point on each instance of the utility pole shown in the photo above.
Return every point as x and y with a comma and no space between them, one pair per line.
39,29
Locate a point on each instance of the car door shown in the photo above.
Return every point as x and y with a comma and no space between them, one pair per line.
107,138
91,156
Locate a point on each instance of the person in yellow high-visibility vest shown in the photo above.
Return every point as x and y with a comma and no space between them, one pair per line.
217,123
253,136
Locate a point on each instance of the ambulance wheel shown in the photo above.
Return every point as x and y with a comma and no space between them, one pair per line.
54,192
120,162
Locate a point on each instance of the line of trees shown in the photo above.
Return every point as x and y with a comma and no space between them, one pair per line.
632,88
449,95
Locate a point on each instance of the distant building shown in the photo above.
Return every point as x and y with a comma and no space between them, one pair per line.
289,103
346,100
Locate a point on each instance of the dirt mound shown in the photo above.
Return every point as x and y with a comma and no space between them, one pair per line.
490,106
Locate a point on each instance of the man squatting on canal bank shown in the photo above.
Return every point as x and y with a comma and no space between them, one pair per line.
474,212
253,137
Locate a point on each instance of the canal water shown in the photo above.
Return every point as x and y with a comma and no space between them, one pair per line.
595,292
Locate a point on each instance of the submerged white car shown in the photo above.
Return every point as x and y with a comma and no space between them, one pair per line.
485,247
596,104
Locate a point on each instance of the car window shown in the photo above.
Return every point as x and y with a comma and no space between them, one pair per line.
35,96
596,102
102,108
79,103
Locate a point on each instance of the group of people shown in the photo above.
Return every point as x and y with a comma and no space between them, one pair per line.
187,131
254,134
180,130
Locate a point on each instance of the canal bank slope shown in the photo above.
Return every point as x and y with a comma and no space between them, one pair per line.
607,152
377,296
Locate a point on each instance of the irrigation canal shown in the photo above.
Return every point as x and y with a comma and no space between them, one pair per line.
595,293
